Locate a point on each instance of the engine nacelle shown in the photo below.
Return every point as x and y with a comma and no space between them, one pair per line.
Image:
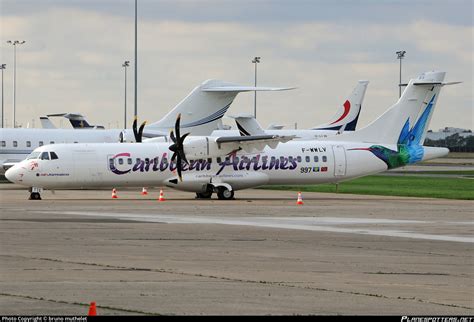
202,147
126,136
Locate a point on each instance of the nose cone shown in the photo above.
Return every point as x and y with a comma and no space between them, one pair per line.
12,174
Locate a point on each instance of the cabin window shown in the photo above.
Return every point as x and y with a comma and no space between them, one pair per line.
15,144
308,159
4,144
273,159
219,160
51,142
209,160
316,159
75,142
40,143
28,144
54,156
111,163
298,158
155,160
138,160
44,156
227,159
129,161
254,159
33,155
120,161
147,160
290,159
325,159
282,159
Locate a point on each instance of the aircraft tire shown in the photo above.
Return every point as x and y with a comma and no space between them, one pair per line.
35,196
204,195
225,194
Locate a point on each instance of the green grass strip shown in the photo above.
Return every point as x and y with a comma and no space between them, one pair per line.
409,186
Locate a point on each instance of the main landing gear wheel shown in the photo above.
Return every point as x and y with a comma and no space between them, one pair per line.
225,194
35,196
204,195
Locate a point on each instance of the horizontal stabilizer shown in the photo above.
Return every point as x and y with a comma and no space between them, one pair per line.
432,83
245,89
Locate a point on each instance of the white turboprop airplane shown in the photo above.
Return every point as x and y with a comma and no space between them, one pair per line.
345,119
202,112
226,164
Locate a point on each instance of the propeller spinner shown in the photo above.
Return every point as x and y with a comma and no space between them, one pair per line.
178,148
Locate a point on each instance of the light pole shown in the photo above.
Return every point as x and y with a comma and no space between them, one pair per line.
14,43
256,60
400,55
2,67
136,108
125,65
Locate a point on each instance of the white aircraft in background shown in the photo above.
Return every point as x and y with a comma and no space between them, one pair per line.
77,120
345,119
202,111
226,164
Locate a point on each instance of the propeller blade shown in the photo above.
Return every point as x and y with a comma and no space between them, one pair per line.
181,150
178,167
177,125
173,138
178,147
134,127
140,132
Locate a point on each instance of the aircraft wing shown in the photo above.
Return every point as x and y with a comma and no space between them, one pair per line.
154,134
252,143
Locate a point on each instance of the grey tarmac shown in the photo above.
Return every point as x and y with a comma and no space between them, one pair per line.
258,254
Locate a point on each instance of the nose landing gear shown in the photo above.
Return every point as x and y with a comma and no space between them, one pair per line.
35,193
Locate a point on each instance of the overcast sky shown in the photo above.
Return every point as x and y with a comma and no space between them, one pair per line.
74,50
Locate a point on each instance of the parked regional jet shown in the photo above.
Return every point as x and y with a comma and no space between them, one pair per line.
77,120
226,164
345,119
202,111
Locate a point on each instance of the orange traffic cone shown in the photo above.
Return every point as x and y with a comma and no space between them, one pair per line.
92,309
144,192
114,193
162,197
300,199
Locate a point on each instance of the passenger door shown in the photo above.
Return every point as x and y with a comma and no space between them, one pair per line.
339,160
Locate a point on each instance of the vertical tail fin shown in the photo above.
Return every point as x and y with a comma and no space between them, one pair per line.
407,121
203,109
248,125
46,123
348,114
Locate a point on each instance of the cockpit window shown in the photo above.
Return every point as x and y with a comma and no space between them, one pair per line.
33,155
54,156
44,156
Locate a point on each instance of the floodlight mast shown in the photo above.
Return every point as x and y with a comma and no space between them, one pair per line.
400,56
255,61
14,43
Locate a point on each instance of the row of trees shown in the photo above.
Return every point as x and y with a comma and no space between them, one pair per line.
455,143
